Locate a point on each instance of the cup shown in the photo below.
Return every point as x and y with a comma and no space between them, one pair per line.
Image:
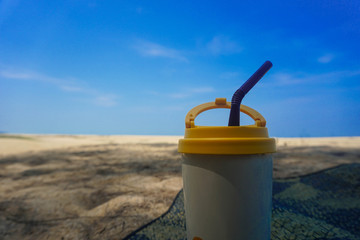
227,176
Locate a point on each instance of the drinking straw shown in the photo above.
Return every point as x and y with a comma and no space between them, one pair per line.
234,118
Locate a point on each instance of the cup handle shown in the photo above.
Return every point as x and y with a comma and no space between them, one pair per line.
222,103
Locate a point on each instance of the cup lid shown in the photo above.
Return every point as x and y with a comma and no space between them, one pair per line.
228,140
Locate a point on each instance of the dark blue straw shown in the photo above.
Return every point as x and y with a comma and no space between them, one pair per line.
234,119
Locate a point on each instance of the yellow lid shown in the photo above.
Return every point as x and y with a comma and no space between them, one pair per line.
250,139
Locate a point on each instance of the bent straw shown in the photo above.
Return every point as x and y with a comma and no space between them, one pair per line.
234,118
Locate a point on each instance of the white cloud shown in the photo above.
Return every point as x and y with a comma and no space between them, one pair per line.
106,100
283,78
326,58
150,49
11,74
64,84
288,78
222,45
178,95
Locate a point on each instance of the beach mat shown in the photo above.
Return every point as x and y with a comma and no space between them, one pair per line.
322,205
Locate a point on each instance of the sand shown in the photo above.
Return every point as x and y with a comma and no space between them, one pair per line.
104,187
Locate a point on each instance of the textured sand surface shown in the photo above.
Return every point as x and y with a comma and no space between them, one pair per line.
104,187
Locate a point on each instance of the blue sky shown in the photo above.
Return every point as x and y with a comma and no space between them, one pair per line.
137,67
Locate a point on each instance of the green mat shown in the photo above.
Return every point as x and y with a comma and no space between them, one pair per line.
323,205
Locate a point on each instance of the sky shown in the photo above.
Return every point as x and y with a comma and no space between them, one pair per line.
137,67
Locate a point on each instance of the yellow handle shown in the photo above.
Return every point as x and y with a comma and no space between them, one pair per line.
222,103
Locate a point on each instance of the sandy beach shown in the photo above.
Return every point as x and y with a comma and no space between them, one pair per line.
104,187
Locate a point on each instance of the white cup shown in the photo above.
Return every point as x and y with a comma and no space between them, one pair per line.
227,175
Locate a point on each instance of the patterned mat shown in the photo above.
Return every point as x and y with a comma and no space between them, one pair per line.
323,205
